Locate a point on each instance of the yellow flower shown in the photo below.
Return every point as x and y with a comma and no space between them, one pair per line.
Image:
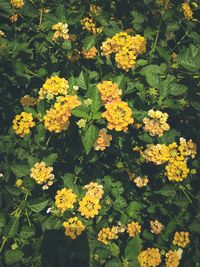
54,86
89,24
106,234
141,181
125,59
156,227
150,257
109,91
17,3
156,123
19,182
181,239
138,44
22,123
61,31
94,189
187,11
89,206
90,53
108,47
177,171
172,258
73,227
158,154
28,100
119,115
81,123
133,228
65,199
88,102
103,140
42,174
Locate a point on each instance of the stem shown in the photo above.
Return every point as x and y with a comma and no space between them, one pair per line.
3,243
188,197
159,27
28,219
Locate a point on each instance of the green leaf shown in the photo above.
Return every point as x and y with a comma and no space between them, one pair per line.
12,227
115,262
178,89
133,248
50,159
27,232
2,220
13,190
40,135
148,236
13,256
89,137
190,58
20,170
82,81
38,204
94,94
102,253
89,42
80,112
167,191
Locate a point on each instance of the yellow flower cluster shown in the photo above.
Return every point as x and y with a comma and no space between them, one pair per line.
126,48
22,123
109,91
89,25
156,227
19,183
150,257
158,154
61,31
81,123
103,140
65,199
187,11
14,17
175,155
107,234
96,10
42,174
17,3
181,239
28,100
89,206
172,258
141,181
53,86
90,53
57,118
94,190
156,123
177,171
133,228
73,227
119,115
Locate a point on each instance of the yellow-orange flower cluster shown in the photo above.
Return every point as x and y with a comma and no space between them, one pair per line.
158,154
181,239
89,206
133,228
90,53
42,174
57,118
187,11
73,227
109,91
103,140
126,48
22,123
119,115
61,31
28,100
89,25
94,190
17,3
65,199
177,170
156,123
14,17
141,181
156,227
172,258
150,257
107,234
53,86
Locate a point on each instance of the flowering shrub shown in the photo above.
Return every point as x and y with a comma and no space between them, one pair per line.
99,133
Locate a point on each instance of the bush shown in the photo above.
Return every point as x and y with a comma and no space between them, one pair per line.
99,133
